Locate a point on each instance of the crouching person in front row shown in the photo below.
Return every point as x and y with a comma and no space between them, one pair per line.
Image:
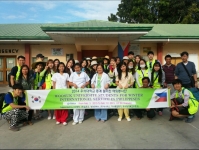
183,103
150,111
11,110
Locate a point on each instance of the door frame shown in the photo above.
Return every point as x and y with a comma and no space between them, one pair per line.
4,70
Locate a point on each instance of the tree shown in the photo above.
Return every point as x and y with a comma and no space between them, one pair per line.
157,11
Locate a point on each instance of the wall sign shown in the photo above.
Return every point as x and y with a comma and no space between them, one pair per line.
57,51
9,51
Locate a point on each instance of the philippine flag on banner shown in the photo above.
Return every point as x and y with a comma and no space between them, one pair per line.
123,49
159,98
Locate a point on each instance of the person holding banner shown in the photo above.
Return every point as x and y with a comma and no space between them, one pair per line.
101,81
78,79
150,111
46,75
60,81
157,80
124,80
141,72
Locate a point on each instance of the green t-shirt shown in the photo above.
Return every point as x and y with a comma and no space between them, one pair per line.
99,82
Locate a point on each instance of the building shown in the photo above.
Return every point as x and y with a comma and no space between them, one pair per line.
94,38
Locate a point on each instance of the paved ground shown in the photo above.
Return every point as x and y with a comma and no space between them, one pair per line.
143,134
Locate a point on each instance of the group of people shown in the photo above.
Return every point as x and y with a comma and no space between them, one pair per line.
129,72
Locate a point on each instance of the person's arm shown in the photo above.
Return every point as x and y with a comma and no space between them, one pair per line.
43,72
13,75
67,84
186,99
54,85
132,80
163,78
176,72
194,75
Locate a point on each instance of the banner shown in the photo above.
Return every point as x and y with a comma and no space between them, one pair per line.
97,98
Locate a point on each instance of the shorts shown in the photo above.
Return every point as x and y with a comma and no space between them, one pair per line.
184,111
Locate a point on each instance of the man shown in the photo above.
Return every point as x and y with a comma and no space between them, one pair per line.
11,110
151,61
106,62
131,55
180,107
39,57
169,70
15,71
186,72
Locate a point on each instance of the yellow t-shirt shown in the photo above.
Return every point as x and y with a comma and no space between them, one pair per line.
125,81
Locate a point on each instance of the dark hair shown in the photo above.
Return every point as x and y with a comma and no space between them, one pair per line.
21,74
184,53
131,53
146,78
139,68
113,58
83,61
22,57
101,66
56,60
66,68
17,86
133,69
120,71
177,81
150,52
61,63
77,64
49,70
107,60
159,73
167,56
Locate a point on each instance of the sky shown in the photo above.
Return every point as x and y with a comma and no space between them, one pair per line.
34,11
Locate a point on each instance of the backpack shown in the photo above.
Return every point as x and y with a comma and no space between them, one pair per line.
2,99
195,92
9,83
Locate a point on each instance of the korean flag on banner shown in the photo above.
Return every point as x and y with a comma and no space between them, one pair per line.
159,99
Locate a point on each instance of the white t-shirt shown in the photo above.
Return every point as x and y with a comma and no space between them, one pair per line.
60,80
79,80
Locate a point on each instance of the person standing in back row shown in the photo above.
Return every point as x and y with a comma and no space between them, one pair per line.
186,72
151,60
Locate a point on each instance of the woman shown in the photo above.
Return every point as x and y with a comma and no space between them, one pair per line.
69,66
47,74
93,69
118,61
101,81
60,81
124,80
27,81
137,60
157,80
84,68
56,63
78,79
131,67
141,72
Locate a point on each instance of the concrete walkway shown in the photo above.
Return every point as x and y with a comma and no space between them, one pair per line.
137,134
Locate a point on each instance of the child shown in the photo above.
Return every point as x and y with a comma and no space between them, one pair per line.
78,79
60,81
47,74
157,80
150,111
124,80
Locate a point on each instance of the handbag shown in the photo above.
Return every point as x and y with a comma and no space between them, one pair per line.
191,77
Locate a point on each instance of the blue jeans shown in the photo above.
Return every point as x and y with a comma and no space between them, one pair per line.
101,114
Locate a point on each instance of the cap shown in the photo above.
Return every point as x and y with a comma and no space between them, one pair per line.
125,57
94,58
106,57
93,63
40,55
76,61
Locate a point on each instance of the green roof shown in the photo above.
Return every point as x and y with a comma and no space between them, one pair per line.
96,25
156,31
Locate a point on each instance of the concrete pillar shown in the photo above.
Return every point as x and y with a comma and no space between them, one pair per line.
27,54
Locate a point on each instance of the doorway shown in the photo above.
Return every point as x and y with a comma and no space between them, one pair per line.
6,64
91,53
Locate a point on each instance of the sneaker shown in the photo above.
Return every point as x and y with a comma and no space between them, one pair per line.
80,122
54,117
160,113
189,120
57,122
65,123
119,119
14,128
74,123
49,117
128,119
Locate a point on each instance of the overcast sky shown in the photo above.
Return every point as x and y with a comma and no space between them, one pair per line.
55,11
